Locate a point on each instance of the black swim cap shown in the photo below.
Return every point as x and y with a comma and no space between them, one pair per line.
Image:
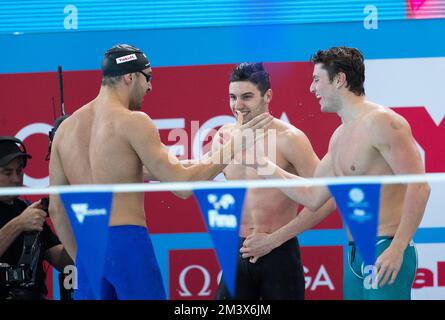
122,59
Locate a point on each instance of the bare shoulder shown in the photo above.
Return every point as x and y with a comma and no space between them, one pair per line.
334,136
136,122
70,122
383,119
294,146
285,129
80,115
289,137
386,127
136,116
286,132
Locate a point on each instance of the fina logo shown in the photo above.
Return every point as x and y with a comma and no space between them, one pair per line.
81,210
221,221
358,213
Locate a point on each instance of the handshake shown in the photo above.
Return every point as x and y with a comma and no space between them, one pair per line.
255,142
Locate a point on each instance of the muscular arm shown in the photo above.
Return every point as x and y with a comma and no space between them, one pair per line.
147,175
298,151
56,209
156,158
183,194
394,140
145,140
258,245
311,197
186,163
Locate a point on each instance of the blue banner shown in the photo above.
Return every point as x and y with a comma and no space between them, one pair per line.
222,210
359,206
89,214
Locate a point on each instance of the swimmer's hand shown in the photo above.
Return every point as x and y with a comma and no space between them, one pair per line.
244,135
257,245
252,137
255,156
388,265
241,136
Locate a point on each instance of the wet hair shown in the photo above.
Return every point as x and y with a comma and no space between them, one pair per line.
343,59
111,81
252,72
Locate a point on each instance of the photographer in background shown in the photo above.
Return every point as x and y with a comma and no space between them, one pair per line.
21,268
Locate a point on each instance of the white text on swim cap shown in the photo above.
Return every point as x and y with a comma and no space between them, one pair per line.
126,58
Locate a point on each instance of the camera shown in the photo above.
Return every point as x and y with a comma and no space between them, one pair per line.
22,278
24,274
19,276
44,204
20,281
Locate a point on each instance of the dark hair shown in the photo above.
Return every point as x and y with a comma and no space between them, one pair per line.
343,59
110,81
252,72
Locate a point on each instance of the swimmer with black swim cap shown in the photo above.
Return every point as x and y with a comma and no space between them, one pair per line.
108,141
124,59
119,60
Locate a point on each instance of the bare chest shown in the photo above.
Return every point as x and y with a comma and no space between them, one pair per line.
353,153
238,171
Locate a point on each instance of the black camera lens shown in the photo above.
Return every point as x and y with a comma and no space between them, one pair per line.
44,203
